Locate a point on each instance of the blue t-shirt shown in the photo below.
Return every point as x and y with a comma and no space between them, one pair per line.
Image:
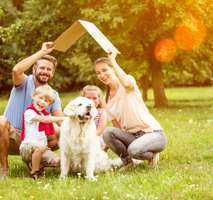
20,98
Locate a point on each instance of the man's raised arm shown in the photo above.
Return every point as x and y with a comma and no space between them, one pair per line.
18,70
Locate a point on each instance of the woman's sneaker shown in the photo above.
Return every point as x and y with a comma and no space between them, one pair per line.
127,166
154,161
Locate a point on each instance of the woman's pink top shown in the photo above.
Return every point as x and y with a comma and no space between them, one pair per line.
130,111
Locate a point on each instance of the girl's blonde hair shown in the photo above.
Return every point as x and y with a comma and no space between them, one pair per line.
96,89
46,91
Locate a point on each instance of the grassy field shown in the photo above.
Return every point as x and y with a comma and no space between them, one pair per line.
185,170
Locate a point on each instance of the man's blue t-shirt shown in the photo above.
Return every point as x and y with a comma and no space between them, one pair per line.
20,98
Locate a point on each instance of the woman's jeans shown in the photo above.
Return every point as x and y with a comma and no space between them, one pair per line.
137,145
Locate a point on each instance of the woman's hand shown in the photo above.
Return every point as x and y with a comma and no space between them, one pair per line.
112,55
122,76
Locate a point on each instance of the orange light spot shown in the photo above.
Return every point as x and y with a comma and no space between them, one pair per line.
190,34
165,50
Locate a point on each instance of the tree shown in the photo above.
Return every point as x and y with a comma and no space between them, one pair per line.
18,4
8,14
134,26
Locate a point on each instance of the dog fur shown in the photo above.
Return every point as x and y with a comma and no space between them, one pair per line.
79,145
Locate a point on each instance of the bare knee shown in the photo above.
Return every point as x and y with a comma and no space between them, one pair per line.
4,126
3,120
4,133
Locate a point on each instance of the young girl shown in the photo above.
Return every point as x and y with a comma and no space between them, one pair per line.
37,126
95,94
136,133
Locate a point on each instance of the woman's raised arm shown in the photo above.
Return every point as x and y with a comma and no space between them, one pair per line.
121,74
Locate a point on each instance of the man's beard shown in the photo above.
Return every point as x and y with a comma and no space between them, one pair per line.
39,79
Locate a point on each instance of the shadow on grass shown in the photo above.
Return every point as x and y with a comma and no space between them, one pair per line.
182,104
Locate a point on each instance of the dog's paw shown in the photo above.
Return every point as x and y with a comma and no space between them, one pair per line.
63,177
91,178
3,177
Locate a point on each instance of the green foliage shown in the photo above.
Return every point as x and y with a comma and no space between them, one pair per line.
192,68
134,26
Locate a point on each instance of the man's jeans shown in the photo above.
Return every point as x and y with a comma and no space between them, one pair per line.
138,145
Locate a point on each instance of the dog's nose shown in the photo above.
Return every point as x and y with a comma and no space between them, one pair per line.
89,107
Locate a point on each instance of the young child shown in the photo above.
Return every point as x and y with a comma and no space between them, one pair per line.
95,94
37,126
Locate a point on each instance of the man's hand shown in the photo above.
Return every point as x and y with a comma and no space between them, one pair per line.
19,69
47,47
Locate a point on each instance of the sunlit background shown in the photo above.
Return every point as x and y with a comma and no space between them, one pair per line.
163,43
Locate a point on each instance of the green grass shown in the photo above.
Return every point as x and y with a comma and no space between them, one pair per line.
185,170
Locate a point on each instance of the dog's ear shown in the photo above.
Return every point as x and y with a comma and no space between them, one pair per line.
69,110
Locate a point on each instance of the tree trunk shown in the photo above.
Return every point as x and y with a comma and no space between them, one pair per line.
18,4
160,98
144,83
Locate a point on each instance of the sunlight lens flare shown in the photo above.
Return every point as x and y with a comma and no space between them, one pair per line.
190,34
165,50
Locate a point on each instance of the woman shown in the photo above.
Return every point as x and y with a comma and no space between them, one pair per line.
136,133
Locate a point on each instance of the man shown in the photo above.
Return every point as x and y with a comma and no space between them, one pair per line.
21,96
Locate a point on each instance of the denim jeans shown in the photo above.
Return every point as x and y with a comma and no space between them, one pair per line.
138,145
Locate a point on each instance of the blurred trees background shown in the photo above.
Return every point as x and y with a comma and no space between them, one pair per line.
163,43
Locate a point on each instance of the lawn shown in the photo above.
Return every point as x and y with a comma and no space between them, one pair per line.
185,170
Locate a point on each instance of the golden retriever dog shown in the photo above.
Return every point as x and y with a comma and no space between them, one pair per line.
80,147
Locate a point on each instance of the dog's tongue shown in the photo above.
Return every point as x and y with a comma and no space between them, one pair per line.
87,116
80,117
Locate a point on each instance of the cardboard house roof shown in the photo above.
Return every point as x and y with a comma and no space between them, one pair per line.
78,29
